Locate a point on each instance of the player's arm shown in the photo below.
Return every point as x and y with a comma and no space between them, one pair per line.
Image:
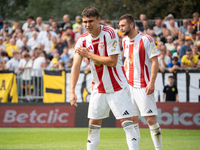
177,98
163,97
74,78
110,60
125,64
154,70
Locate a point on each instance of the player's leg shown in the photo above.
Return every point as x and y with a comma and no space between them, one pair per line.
136,126
98,109
155,131
131,134
148,109
94,134
121,106
136,114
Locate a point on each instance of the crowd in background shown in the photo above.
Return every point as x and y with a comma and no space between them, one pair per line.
36,45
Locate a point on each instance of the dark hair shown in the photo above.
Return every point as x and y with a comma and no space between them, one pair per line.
175,58
30,17
90,12
4,53
128,17
172,77
27,55
189,50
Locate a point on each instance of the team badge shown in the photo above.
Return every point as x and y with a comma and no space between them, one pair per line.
173,89
101,45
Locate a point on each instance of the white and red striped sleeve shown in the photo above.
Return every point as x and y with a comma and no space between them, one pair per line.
150,47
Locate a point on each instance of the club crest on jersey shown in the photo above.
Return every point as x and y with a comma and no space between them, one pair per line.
101,45
136,46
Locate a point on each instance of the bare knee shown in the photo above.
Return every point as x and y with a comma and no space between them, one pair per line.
125,119
95,121
135,119
151,120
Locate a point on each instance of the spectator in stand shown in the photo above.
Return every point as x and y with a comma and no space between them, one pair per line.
19,42
67,32
160,44
50,55
189,30
54,28
39,24
174,30
60,45
65,57
158,27
169,44
25,66
33,41
195,22
163,59
145,26
54,42
195,50
43,34
167,20
1,22
24,40
4,57
2,46
51,19
7,40
77,19
183,28
185,47
166,33
10,49
142,17
13,63
77,26
27,23
172,66
170,91
103,21
66,22
61,66
54,62
6,29
79,33
47,42
29,32
188,60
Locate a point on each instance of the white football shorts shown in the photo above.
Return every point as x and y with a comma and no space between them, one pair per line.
142,103
119,102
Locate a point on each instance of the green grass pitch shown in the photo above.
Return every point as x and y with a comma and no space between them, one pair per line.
75,139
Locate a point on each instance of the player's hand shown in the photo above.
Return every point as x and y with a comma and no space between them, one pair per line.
73,99
83,51
149,88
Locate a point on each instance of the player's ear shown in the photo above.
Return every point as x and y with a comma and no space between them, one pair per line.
99,19
132,24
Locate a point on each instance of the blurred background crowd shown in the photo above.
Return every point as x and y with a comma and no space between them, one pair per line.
36,45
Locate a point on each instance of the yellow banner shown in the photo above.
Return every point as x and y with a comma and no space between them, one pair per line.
8,87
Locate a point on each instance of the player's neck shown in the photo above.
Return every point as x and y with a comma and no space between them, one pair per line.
132,34
170,84
96,34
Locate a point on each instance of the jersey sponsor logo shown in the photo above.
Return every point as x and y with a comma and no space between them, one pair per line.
112,50
114,44
131,57
96,42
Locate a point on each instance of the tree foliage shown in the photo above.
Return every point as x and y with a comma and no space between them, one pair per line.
111,9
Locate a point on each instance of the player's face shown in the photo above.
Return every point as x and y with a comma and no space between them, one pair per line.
124,26
91,24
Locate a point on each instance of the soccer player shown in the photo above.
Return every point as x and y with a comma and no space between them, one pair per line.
110,89
141,65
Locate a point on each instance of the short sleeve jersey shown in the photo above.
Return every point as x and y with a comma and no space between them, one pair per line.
138,52
105,79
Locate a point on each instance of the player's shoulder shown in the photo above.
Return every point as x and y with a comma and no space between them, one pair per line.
83,36
126,38
146,37
109,31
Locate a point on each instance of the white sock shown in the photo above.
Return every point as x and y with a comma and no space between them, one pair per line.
156,136
136,126
131,135
93,137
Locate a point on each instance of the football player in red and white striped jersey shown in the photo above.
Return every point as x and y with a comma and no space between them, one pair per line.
141,65
110,89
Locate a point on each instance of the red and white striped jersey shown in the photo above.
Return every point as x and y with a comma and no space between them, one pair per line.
105,79
138,52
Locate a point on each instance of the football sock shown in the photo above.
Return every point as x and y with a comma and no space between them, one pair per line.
131,135
156,136
93,137
136,126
